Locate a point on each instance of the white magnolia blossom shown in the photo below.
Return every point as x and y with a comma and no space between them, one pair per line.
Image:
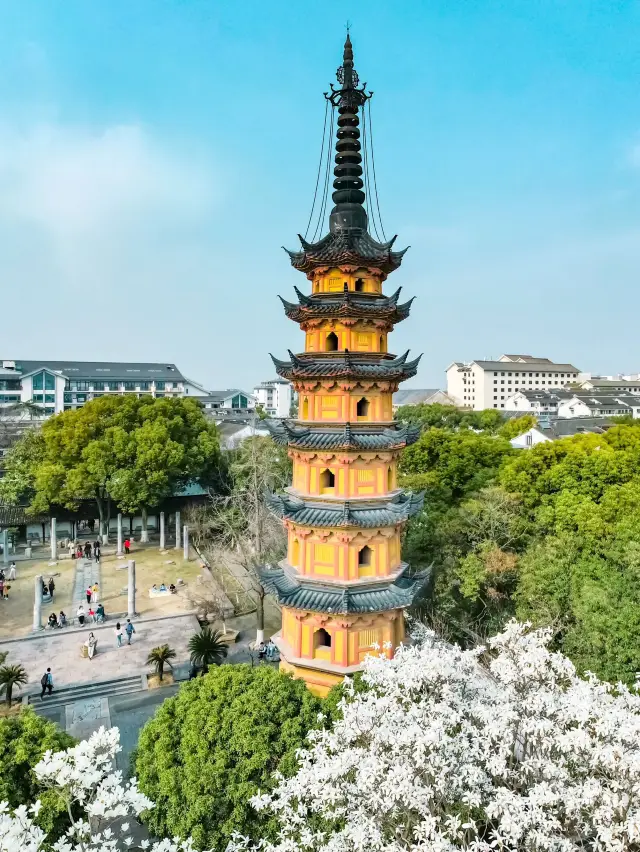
503,748
96,800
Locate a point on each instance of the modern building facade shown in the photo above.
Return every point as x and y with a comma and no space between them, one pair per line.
489,384
232,402
275,397
343,585
56,386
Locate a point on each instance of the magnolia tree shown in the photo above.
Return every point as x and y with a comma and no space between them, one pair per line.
502,748
98,803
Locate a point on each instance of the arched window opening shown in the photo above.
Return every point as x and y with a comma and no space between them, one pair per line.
362,407
295,553
365,555
305,408
327,481
321,639
359,285
332,342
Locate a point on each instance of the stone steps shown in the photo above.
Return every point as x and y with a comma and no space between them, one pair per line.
83,691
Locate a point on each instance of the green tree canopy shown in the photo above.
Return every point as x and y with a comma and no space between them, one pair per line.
134,451
216,744
518,426
24,738
442,416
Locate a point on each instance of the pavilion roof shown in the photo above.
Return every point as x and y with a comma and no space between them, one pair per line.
347,304
347,438
353,247
299,593
346,514
346,365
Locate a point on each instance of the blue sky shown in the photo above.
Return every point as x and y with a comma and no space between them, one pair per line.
155,156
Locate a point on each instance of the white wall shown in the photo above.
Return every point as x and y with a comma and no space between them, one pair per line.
529,439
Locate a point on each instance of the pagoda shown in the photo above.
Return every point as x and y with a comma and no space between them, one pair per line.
343,586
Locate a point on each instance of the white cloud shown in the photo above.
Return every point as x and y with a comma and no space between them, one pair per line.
74,182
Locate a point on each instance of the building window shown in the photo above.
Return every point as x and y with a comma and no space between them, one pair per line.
37,397
327,481
67,397
502,405
321,639
50,397
528,440
159,385
331,342
113,386
37,382
362,407
129,385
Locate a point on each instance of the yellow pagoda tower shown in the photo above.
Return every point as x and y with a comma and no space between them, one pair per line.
343,586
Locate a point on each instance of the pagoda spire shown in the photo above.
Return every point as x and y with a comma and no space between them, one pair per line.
348,195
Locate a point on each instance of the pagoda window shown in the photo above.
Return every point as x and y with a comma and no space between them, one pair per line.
327,481
359,285
365,555
362,407
321,639
305,408
331,343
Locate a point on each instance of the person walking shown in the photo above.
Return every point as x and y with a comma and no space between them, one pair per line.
118,632
130,630
87,550
96,545
96,552
80,614
51,586
46,682
95,591
12,571
127,545
88,592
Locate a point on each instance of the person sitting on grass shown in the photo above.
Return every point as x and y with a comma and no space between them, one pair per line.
172,589
163,588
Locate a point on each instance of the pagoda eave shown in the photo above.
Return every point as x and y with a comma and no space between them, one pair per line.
346,514
343,438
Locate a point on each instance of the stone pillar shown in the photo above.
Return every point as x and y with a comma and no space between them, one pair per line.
177,530
119,550
53,535
131,589
5,546
37,603
161,530
185,536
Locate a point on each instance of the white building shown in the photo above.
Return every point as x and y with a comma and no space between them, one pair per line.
537,402
489,384
228,403
275,397
57,386
553,429
591,404
622,384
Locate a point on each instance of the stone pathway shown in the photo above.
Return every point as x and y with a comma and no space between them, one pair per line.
87,573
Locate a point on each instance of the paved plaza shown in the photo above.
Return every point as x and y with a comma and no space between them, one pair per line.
60,649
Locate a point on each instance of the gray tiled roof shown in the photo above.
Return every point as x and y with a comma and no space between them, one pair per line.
344,365
348,303
528,366
347,514
294,592
352,247
104,369
346,438
414,396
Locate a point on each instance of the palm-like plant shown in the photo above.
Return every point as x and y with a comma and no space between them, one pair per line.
11,676
160,656
206,649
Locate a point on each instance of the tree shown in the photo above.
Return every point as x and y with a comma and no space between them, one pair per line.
452,464
85,784
237,527
518,426
159,657
463,750
215,744
24,739
11,676
172,444
441,416
134,451
206,649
